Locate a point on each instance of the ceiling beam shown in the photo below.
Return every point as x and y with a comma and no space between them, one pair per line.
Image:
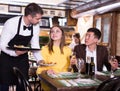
92,6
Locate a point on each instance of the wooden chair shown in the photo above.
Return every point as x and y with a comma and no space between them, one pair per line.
21,79
111,84
33,76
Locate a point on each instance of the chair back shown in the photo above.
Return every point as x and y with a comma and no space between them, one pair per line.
111,84
21,79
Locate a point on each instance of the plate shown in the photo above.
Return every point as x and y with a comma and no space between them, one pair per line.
46,64
23,48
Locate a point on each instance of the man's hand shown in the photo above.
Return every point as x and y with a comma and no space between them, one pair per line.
20,52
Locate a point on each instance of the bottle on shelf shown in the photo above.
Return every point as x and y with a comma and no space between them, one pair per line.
92,67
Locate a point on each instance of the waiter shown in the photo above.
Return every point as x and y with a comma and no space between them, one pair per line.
20,30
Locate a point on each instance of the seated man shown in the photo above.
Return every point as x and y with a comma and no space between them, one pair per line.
91,49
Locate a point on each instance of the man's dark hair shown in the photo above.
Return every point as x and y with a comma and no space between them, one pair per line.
96,32
33,9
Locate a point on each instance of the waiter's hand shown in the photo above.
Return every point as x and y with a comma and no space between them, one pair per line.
20,52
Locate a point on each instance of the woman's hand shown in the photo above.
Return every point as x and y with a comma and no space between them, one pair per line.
50,71
73,60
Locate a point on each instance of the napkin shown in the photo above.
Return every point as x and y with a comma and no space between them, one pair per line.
67,75
99,73
73,82
85,81
52,75
65,83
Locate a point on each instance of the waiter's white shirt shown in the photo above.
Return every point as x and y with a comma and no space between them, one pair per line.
10,30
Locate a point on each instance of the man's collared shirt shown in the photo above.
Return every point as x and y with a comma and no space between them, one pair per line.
92,54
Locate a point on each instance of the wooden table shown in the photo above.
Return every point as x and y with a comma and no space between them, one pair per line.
57,86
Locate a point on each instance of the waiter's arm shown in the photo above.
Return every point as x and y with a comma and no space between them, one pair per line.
35,43
8,32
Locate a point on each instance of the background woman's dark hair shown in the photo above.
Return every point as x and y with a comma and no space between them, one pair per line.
62,43
33,9
77,35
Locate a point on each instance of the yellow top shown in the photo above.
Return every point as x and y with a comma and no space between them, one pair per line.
62,60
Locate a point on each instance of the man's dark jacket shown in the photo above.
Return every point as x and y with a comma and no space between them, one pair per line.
102,56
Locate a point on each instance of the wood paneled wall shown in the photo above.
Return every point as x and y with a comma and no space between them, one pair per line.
113,26
118,36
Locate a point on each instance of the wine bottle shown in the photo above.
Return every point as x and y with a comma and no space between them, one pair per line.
88,60
92,67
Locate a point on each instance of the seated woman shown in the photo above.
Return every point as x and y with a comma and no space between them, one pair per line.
56,52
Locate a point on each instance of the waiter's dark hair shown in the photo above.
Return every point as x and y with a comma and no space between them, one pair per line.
33,9
96,32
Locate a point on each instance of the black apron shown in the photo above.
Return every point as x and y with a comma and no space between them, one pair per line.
7,62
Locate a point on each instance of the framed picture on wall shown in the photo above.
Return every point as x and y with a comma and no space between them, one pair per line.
14,8
45,22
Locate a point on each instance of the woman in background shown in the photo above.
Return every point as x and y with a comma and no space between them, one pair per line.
76,41
56,52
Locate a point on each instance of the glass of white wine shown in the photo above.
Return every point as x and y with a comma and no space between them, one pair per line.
111,60
79,65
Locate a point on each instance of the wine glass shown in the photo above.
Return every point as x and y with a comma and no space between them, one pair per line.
79,65
111,60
